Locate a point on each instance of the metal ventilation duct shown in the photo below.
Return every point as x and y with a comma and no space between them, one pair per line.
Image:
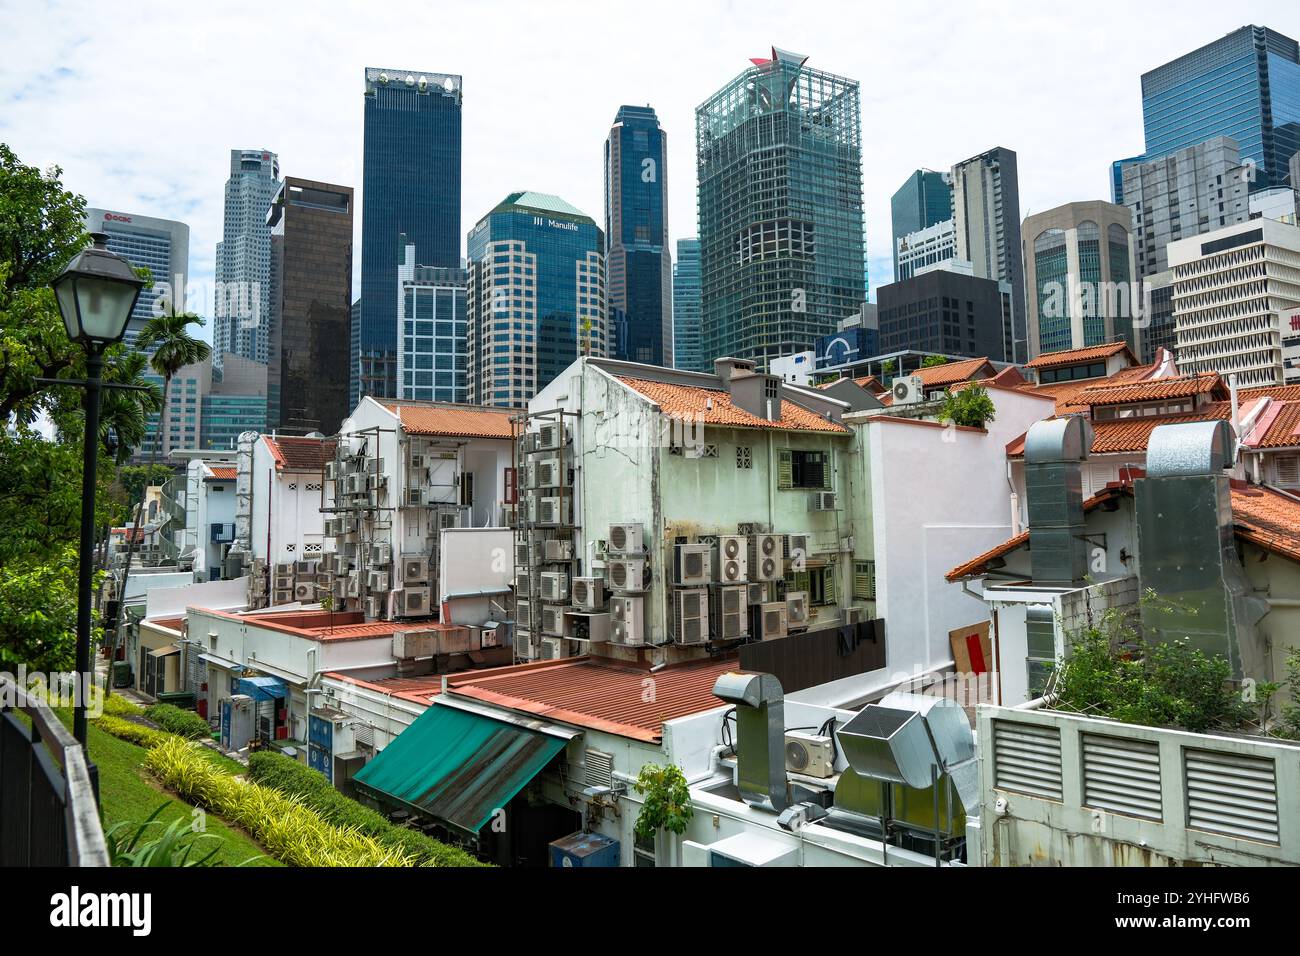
1188,550
760,737
1054,452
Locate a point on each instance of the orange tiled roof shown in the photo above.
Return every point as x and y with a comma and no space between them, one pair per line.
1067,394
1071,356
1283,430
222,474
949,373
599,694
1009,376
695,401
1184,386
870,383
1283,393
300,454
1132,434
454,421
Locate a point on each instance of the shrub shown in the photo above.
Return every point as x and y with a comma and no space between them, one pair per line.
182,723
971,407
173,847
131,732
667,800
283,823
290,777
119,706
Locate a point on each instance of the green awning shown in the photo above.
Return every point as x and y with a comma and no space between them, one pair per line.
457,766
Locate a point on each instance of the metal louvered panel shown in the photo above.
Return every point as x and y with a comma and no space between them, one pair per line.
1232,794
600,769
1122,776
1027,758
364,735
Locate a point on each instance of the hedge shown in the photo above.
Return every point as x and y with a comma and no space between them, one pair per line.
290,830
119,706
182,723
288,776
131,732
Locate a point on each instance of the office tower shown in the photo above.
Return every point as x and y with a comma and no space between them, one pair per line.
924,200
235,401
411,187
1158,315
986,218
241,312
686,307
1117,177
1237,302
638,258
1078,276
535,299
1245,85
780,209
160,245
311,285
431,344
857,339
942,310
1186,193
923,248
181,417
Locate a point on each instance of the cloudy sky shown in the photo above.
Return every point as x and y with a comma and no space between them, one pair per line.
140,103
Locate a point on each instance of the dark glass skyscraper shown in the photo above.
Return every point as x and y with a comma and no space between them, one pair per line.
922,201
638,261
780,209
411,187
686,307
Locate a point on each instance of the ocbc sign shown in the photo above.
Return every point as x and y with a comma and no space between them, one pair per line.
114,217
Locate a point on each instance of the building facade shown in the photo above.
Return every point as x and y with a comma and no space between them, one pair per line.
638,257
160,245
1079,276
779,155
411,183
535,299
241,315
235,402
924,248
311,238
686,307
431,353
924,200
943,311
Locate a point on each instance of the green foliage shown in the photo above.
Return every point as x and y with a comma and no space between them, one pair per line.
667,803
289,776
168,337
38,613
1289,725
888,368
118,706
173,847
130,731
182,723
933,361
971,406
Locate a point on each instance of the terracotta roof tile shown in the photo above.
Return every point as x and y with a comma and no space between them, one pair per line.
1283,393
300,454
694,401
454,421
1283,430
1184,386
223,474
1071,356
949,373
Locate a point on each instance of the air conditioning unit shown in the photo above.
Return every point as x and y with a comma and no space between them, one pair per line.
340,589
626,538
908,391
524,649
693,564
415,569
589,593
550,474
733,558
758,593
627,620
552,649
380,554
304,591
550,511
356,484
523,613
796,606
283,582
411,602
418,497
558,549
555,586
491,634
304,567
377,581
282,597
331,470
730,612
809,754
553,620
691,615
528,443
822,501
551,436
375,607
627,574
772,620
853,615
417,463
523,553
328,562
798,546
284,567
766,553
327,528
354,584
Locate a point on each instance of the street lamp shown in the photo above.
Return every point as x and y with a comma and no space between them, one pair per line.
96,294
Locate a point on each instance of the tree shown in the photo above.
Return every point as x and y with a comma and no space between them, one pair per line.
38,613
970,406
667,803
933,361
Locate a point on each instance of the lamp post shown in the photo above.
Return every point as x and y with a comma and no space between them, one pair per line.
96,294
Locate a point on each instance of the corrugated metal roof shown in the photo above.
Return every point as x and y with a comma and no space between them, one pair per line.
715,407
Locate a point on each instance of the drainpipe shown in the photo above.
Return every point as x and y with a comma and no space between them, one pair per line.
1236,419
771,482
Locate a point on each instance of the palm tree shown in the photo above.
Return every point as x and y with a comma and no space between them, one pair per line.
125,413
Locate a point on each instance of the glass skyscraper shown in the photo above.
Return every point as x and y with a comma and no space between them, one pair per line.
638,260
535,298
431,356
779,156
411,187
241,316
160,245
924,200
686,307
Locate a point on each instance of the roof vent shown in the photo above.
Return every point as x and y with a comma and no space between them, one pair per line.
1054,453
728,368
760,737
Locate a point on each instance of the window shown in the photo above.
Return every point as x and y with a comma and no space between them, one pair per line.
1040,644
643,850
864,580
807,470
818,583
744,456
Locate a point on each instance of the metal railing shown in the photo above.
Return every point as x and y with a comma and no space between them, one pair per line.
49,811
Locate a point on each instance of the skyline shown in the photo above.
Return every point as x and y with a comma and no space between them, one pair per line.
921,107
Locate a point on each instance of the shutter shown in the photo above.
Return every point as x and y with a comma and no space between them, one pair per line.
1232,794
1027,758
785,470
1288,471
826,471
1122,776
599,769
828,585
864,580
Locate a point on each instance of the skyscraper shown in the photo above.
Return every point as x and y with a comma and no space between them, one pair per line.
986,218
638,260
241,312
160,245
924,200
686,307
411,187
431,353
311,286
780,209
535,299
942,310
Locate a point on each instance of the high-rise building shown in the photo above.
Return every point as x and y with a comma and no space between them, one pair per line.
1185,193
779,155
686,307
986,219
924,200
1158,315
160,245
311,286
235,401
924,248
1079,276
1237,302
1117,177
241,314
638,257
1245,85
431,349
535,299
411,187
945,311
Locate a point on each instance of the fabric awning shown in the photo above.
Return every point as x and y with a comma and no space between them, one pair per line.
456,766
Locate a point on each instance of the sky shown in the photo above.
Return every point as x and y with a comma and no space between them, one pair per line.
141,103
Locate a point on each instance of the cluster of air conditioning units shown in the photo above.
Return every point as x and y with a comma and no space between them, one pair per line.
627,572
